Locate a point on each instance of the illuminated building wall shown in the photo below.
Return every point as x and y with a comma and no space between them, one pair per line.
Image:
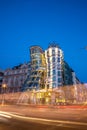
54,60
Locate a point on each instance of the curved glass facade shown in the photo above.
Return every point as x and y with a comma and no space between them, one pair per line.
35,80
35,53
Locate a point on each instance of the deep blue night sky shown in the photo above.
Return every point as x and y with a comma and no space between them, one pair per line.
38,22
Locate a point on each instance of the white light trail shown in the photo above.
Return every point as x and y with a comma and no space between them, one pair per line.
4,115
43,120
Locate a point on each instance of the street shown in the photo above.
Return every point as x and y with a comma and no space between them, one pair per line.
13,123
26,117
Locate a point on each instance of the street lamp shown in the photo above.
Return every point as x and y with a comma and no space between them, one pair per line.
4,86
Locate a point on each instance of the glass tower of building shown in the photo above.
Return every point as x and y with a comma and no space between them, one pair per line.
35,79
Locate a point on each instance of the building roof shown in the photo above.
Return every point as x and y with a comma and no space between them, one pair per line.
53,44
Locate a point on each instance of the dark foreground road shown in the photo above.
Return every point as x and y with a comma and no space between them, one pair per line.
10,121
18,124
30,118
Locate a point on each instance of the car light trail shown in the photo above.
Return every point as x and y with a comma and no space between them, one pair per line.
41,119
4,115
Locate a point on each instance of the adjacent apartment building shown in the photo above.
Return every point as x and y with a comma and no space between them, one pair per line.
15,77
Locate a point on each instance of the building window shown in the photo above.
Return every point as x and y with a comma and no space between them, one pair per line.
7,73
1,80
23,71
53,52
59,73
59,84
5,80
58,55
54,78
48,60
36,67
59,80
58,59
59,67
47,53
48,67
18,71
54,85
12,83
16,82
54,72
32,51
59,52
48,73
53,60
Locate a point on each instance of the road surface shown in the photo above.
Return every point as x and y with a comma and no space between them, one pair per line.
9,121
27,118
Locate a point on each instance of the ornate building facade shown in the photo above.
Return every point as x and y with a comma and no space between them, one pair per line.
15,77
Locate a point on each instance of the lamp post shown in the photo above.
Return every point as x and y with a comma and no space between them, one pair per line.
4,86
